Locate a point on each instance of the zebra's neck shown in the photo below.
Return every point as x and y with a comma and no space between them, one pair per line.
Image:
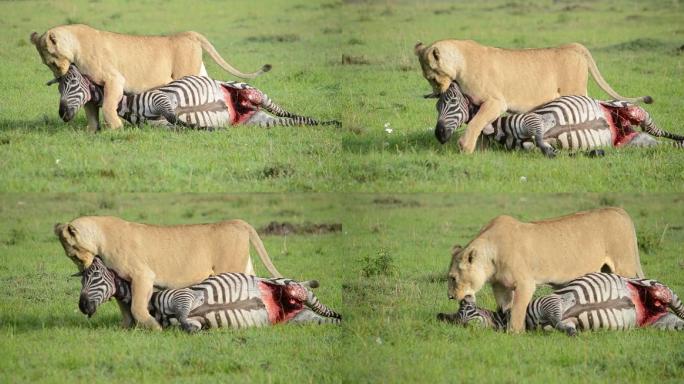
497,320
123,109
122,289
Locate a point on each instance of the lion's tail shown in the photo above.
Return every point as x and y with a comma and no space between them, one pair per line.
263,255
593,69
209,48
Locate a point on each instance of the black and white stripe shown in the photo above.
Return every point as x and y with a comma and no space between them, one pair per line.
225,300
192,101
593,301
569,123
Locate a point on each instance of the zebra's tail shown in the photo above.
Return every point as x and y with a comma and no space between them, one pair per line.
593,69
209,48
676,305
320,308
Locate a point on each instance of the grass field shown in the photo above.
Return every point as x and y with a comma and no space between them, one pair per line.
637,46
402,198
389,333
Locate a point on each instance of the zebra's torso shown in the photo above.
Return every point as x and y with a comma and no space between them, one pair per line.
594,301
239,300
196,101
569,122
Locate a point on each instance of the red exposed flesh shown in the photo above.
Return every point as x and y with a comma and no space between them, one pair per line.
282,302
651,303
241,103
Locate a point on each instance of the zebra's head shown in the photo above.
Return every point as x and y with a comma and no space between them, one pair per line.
470,315
98,284
453,109
75,91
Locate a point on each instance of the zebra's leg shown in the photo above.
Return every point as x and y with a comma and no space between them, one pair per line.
307,316
552,312
534,125
320,308
264,120
638,115
669,322
160,104
182,302
279,111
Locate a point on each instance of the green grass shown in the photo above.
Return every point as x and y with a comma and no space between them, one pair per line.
385,272
637,46
352,61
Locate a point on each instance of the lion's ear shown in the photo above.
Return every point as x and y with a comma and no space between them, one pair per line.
456,249
52,38
435,53
418,48
71,230
471,256
58,228
35,38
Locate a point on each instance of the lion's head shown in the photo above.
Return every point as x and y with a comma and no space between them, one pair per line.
471,267
54,50
435,70
77,247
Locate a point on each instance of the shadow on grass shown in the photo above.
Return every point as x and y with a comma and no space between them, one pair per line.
30,322
414,141
42,124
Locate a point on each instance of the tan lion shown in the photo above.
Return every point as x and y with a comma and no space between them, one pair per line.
514,256
515,80
167,257
125,63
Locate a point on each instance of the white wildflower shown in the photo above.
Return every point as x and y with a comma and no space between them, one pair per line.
388,128
523,179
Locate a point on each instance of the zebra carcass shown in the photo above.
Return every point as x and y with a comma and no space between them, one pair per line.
192,101
234,300
593,301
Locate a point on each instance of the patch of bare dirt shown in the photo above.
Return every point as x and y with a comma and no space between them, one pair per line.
278,228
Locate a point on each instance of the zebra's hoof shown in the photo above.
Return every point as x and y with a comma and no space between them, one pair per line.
596,153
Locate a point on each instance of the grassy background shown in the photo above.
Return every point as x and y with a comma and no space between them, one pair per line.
637,46
389,333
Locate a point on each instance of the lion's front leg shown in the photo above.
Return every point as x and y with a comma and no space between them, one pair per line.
503,296
141,292
127,320
489,111
521,299
113,92
92,112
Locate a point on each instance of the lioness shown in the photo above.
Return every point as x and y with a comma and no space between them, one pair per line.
515,80
125,63
167,257
514,256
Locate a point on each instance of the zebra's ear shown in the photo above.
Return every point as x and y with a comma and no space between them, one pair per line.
53,81
433,95
77,274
